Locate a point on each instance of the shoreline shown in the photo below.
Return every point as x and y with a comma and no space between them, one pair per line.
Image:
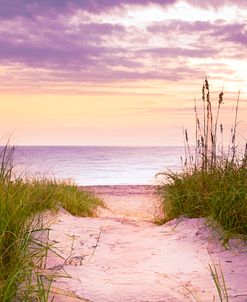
127,201
120,189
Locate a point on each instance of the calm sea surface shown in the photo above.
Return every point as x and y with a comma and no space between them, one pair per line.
97,165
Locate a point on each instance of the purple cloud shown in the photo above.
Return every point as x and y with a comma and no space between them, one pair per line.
56,45
219,31
216,28
45,36
89,51
217,3
171,52
33,8
236,34
164,27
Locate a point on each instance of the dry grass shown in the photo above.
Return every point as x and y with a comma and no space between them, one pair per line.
213,184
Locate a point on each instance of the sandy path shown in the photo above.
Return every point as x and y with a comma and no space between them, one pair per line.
121,256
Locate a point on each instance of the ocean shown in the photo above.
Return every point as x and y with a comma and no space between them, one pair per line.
88,165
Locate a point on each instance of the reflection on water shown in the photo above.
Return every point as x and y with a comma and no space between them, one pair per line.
97,165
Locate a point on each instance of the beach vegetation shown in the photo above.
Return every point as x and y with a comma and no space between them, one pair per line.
23,240
213,181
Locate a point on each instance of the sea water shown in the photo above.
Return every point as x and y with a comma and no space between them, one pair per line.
89,165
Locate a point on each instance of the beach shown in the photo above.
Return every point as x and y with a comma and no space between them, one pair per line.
123,152
121,255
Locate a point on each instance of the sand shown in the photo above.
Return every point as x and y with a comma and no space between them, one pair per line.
122,256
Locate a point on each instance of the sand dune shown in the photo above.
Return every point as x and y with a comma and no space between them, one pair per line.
122,256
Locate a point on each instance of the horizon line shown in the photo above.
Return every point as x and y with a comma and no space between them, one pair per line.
118,146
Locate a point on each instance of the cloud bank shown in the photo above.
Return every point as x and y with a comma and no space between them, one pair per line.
69,43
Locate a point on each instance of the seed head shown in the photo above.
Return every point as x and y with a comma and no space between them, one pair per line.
221,98
221,128
186,135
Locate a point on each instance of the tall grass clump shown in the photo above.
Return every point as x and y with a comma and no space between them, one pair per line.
22,242
15,231
52,194
214,181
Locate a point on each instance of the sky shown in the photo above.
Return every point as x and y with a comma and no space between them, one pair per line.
117,72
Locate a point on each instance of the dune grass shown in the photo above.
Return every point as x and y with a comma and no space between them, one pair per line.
212,184
51,194
22,244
